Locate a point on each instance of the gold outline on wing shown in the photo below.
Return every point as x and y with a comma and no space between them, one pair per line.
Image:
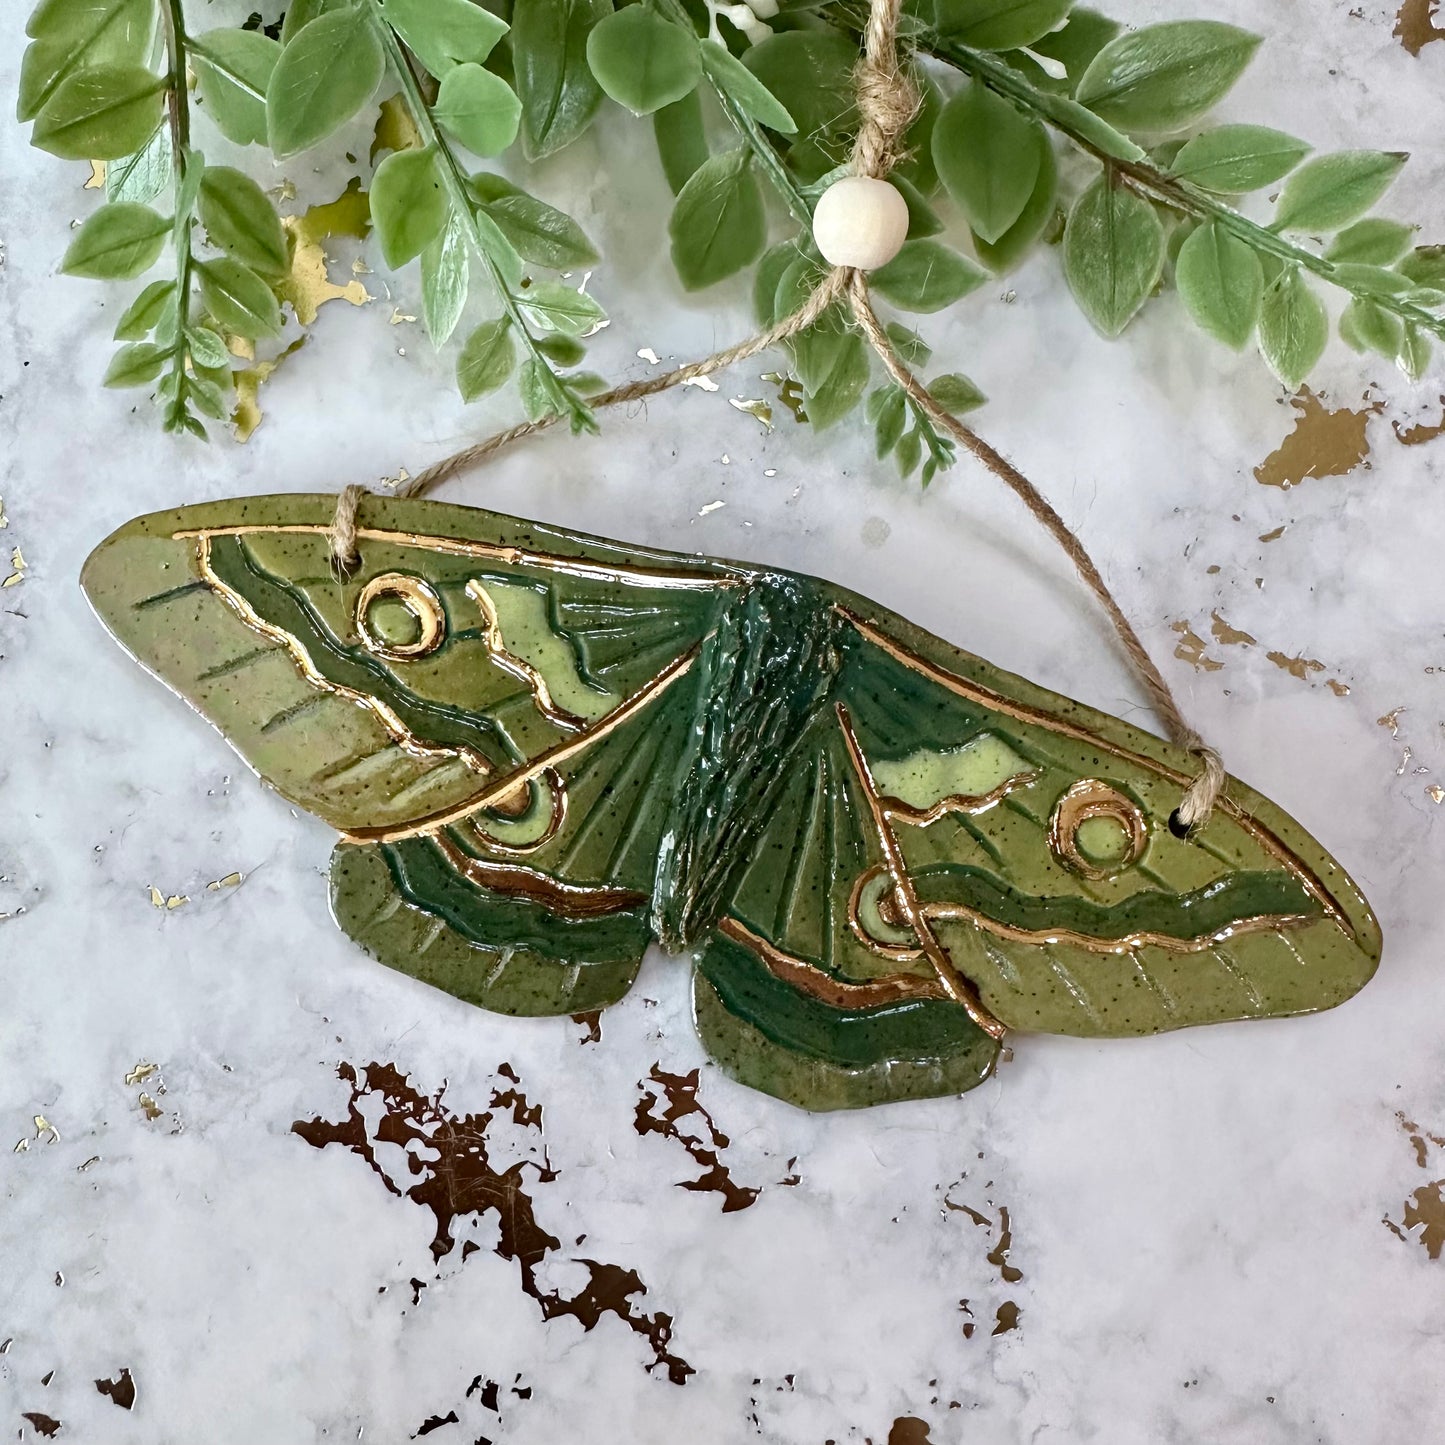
393,724
567,900
519,667
957,802
835,992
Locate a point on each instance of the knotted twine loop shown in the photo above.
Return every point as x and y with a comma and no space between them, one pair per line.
888,100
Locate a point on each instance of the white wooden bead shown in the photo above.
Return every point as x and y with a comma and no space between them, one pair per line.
860,221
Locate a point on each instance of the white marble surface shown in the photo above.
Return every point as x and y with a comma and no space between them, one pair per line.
1199,1219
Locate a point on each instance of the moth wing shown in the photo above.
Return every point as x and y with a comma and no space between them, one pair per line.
1034,836
790,997
486,709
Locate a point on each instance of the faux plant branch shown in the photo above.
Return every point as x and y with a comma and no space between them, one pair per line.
99,74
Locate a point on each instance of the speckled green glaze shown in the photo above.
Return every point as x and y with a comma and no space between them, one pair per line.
544,751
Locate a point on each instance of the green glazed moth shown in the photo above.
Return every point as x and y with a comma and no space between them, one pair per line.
544,750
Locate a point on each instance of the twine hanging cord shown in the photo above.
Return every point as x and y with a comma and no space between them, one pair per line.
888,100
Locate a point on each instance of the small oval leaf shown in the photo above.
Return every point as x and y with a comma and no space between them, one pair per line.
1113,254
119,241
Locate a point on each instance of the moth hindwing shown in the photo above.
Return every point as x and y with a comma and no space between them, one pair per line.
544,750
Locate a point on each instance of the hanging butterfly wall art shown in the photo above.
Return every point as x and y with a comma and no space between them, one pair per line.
544,751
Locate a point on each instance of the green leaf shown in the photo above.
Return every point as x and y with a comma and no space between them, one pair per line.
912,349
554,306
240,219
1113,254
120,240
144,174
135,365
1293,327
75,35
987,156
1233,159
207,349
537,388
324,76
1220,281
926,276
998,24
142,315
841,388
773,263
549,52
1357,276
564,350
238,299
541,233
744,89
1425,266
445,275
409,206
922,218
487,359
1374,242
1372,327
444,33
717,226
811,74
681,139
1414,355
1331,191
909,453
500,251
233,71
888,411
643,61
1164,76
208,395
955,393
478,109
1015,243
100,113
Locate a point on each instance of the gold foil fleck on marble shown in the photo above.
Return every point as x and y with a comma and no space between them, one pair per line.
754,407
149,1107
1192,648
95,181
140,1073
1299,667
1323,443
1415,26
1229,636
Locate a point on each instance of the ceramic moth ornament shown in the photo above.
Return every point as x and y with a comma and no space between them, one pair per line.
544,751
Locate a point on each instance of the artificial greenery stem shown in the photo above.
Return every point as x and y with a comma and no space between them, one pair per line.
1158,185
178,113
564,400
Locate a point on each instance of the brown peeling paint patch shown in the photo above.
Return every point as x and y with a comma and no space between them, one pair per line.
1421,432
909,1430
1006,1319
998,1255
524,1113
45,1425
435,1422
1299,667
1323,443
1415,25
121,1389
1191,648
666,1100
591,1025
1275,535
452,1177
1229,636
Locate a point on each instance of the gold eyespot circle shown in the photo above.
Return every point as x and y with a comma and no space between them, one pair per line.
1096,831
400,618
876,918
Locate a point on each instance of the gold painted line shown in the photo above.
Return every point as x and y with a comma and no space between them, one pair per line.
308,669
1259,923
959,988
957,802
553,756
1022,712
492,552
519,667
835,992
567,900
